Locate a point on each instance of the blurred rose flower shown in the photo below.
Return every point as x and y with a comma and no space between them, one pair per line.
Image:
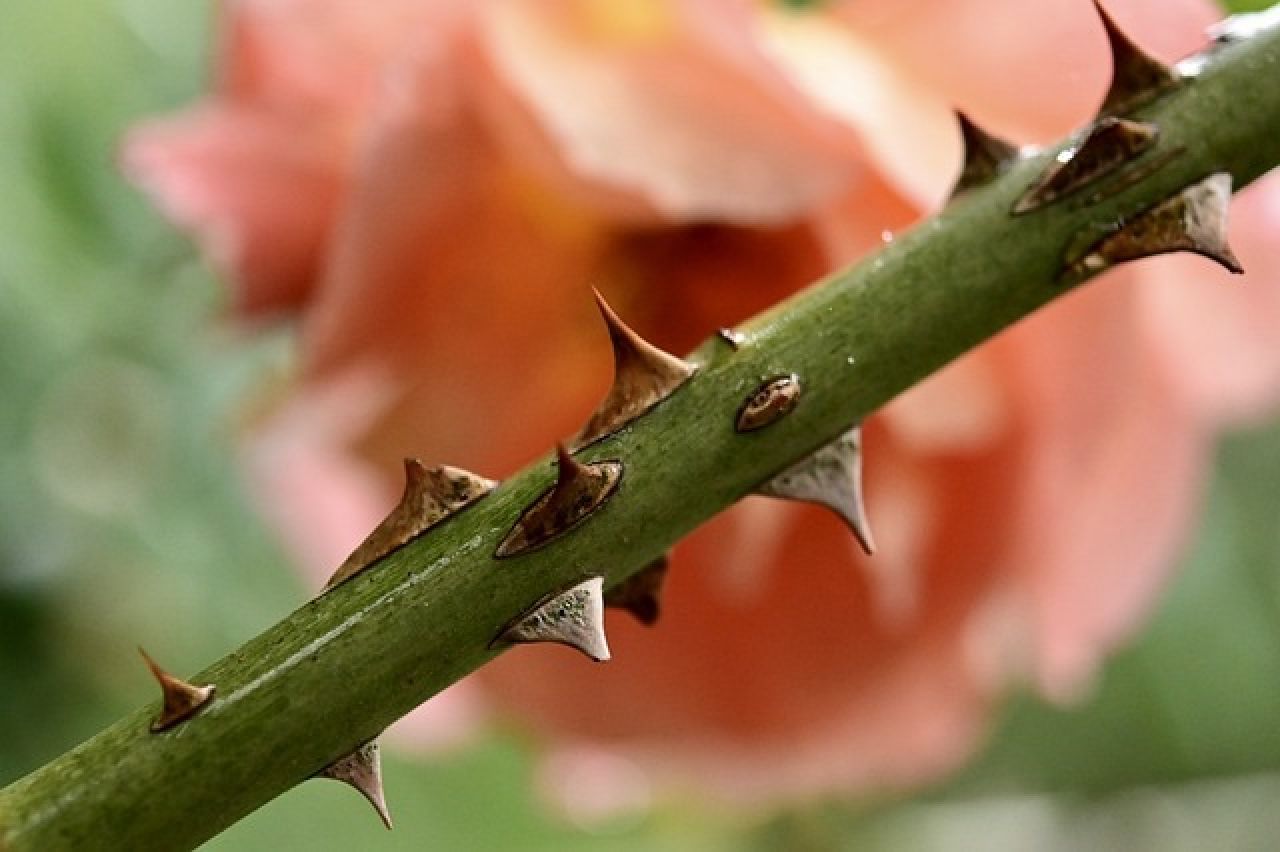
431,186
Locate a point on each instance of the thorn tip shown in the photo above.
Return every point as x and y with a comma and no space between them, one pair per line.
362,769
182,700
573,617
643,376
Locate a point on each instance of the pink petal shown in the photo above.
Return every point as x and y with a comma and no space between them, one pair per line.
257,190
1113,461
673,110
1031,71
1216,334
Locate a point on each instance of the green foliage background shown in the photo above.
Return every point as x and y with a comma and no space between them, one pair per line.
123,522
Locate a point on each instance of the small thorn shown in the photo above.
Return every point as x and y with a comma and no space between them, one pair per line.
643,376
431,494
574,617
985,156
579,490
1194,219
1108,144
641,593
1136,76
735,339
182,700
831,477
362,769
769,403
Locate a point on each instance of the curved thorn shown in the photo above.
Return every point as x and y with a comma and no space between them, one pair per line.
1107,145
1136,76
579,490
1194,219
182,700
362,769
574,617
985,156
431,494
832,477
643,376
641,593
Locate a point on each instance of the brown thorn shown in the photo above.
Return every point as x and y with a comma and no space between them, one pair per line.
579,490
573,617
643,376
1136,76
1107,145
641,593
769,403
431,494
985,156
1194,219
831,476
182,700
362,769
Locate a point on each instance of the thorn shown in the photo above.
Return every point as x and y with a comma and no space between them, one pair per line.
735,339
641,593
1193,219
643,376
362,769
431,494
831,477
574,617
579,490
985,156
1109,143
770,402
1135,173
182,700
1136,76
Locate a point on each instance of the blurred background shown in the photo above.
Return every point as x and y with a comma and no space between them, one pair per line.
123,521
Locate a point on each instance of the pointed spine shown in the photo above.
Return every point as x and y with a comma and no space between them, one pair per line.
574,617
641,593
1193,219
643,376
182,700
1108,144
1136,76
578,492
831,477
362,769
985,156
431,494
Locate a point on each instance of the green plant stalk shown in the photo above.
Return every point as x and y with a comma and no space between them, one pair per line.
337,671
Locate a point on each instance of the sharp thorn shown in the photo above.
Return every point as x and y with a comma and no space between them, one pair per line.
769,403
641,593
985,156
830,477
574,617
643,376
182,700
1194,219
579,490
1108,144
362,769
431,494
1136,76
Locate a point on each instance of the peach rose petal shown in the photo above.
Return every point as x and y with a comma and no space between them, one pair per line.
907,130
257,191
642,106
1028,71
1215,332
1114,459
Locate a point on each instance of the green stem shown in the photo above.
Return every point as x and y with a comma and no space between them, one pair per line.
341,668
